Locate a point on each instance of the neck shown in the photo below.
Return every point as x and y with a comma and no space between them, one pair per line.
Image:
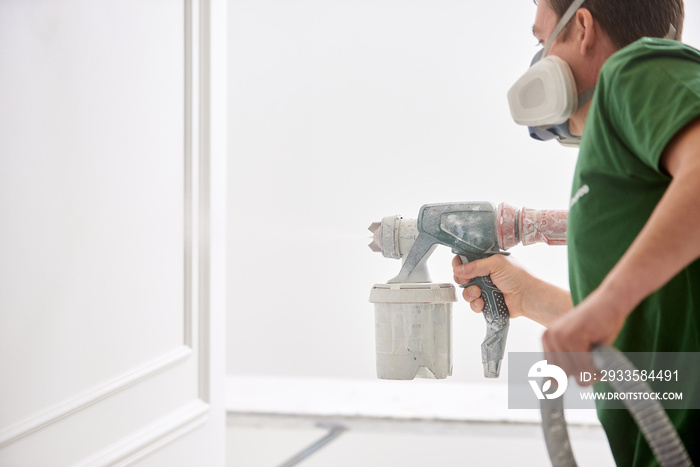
578,119
586,76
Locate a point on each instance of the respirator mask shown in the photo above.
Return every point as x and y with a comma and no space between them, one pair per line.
546,97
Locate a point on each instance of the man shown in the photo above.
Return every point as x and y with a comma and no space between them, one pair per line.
634,220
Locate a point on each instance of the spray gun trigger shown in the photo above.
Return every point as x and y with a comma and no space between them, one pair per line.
472,282
473,256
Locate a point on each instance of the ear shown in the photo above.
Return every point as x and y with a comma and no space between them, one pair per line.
586,30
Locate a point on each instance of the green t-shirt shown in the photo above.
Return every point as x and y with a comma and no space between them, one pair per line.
646,93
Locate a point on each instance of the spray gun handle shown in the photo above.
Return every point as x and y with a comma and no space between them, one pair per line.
497,319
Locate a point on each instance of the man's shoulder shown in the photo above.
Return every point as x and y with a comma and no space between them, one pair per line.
648,53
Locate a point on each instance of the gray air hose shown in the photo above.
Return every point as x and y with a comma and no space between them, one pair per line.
650,416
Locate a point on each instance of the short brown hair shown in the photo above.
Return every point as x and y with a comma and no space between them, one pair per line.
626,21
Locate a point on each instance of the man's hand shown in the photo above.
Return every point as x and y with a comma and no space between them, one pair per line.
596,320
504,274
525,295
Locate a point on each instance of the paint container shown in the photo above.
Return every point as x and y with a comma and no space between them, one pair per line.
413,330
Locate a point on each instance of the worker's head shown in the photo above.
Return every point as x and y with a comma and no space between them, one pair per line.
578,36
626,21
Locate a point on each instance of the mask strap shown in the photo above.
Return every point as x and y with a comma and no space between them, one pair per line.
562,24
672,33
586,96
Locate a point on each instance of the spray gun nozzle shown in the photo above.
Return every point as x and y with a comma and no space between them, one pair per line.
375,228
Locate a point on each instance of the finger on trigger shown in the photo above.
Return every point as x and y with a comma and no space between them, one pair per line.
477,305
473,292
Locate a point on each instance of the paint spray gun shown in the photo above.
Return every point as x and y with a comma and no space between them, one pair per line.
413,315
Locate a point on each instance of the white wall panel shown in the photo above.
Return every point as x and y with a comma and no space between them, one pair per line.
106,238
92,251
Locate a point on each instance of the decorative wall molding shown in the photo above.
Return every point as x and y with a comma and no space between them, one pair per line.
152,437
205,185
188,178
97,393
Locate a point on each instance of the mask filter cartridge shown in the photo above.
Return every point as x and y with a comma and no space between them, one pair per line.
545,95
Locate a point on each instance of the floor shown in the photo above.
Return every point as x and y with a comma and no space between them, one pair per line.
492,445
272,419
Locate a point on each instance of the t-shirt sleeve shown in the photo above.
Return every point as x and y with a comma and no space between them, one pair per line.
650,100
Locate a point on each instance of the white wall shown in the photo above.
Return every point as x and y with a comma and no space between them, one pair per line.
112,235
342,112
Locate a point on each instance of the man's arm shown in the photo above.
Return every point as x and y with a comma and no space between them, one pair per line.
669,242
